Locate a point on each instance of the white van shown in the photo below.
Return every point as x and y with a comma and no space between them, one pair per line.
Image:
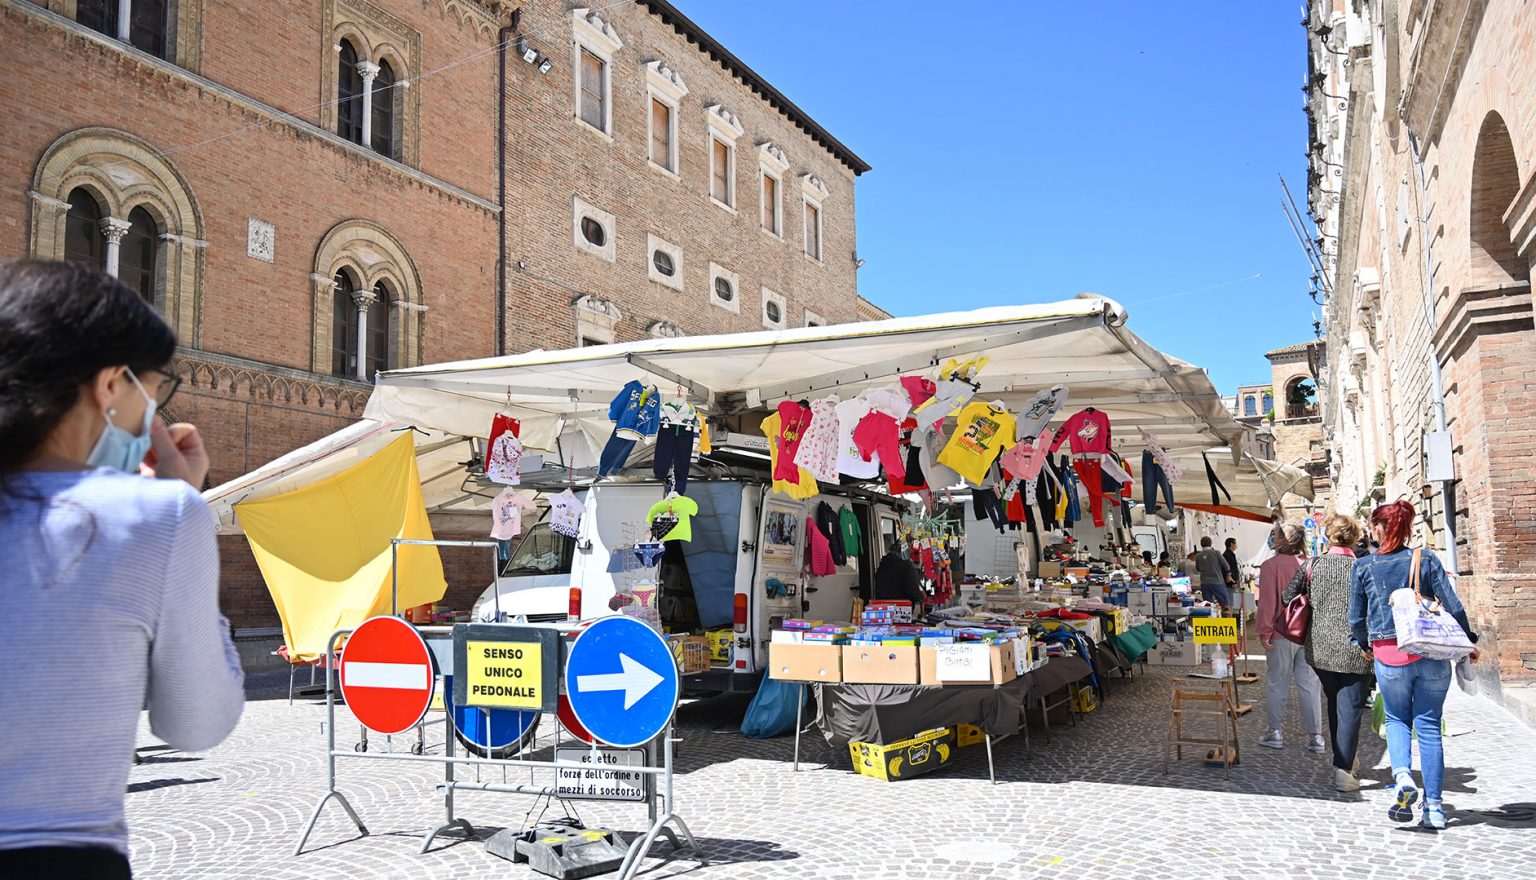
740,573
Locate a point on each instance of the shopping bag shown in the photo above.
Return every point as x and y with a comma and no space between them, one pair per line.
1425,630
772,712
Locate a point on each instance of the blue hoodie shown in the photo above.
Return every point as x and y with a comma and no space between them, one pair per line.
636,412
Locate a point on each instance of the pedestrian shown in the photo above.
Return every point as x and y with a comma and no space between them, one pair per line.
110,560
1285,661
1346,676
1213,574
1234,571
897,578
1413,687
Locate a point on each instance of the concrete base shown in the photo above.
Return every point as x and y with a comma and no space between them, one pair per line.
1520,699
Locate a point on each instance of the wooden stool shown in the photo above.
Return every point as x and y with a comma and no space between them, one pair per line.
1212,699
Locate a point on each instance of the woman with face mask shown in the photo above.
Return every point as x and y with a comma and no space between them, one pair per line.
110,563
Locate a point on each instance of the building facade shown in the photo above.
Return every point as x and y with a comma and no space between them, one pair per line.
1423,191
373,185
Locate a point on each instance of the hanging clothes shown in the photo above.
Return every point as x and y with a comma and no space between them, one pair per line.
507,513
565,512
930,442
849,462
794,419
674,442
818,448
852,533
1089,434
503,464
1026,458
827,523
1039,411
818,551
635,412
879,433
805,486
671,519
912,480
983,431
919,390
1153,478
956,386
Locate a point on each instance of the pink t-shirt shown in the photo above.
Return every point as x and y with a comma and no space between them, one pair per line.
507,514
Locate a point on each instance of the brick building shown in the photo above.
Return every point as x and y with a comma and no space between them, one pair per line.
313,190
1423,160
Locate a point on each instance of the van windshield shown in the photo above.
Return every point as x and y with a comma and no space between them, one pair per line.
542,551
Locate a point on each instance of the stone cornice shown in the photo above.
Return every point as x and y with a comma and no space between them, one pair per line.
1478,312
1448,32
239,378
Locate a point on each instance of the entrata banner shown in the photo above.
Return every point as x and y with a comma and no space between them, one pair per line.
1215,630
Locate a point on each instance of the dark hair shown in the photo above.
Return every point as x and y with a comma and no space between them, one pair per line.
1205,542
61,324
1231,541
1396,519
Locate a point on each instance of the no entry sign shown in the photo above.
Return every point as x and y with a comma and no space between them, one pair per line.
387,675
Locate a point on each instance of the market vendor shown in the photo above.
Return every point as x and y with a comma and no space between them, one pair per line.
897,578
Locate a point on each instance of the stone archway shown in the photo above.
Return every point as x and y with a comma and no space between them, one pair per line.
1494,260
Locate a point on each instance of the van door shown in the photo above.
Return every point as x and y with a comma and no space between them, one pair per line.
776,589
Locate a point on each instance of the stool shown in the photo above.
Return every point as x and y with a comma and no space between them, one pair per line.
1211,699
293,668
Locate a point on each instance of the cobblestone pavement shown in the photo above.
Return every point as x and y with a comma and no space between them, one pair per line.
1093,803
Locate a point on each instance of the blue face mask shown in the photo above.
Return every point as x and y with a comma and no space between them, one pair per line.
118,449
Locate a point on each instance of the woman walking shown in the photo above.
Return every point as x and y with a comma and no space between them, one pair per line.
1346,676
1285,661
1413,687
114,569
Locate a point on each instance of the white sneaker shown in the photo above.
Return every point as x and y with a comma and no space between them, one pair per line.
1272,740
1317,746
1343,780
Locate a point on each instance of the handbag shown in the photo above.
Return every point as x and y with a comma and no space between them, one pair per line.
1296,616
1423,627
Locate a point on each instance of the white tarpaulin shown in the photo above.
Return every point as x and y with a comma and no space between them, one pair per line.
1081,343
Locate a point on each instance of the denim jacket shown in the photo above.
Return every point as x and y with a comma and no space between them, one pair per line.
1377,576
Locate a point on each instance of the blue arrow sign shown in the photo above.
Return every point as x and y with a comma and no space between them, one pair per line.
622,681
1310,523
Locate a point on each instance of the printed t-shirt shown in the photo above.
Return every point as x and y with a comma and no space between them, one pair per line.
849,460
565,514
806,488
506,453
507,514
982,432
682,508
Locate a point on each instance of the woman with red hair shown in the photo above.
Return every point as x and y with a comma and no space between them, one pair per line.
1413,688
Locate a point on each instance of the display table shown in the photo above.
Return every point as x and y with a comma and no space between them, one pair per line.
883,713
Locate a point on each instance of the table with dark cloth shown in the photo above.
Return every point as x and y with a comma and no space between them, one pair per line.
889,713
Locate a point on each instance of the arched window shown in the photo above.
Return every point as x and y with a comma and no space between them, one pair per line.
383,133
83,240
378,330
136,259
1269,401
349,94
344,326
147,24
1249,407
1495,260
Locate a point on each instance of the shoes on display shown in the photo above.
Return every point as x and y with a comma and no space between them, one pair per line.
1343,780
1404,796
1272,740
1434,816
1316,745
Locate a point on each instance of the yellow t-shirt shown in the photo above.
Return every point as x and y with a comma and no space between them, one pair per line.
807,487
982,432
682,507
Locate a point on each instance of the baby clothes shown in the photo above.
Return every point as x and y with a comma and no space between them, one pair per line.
507,514
891,401
635,411
649,553
878,434
913,480
1026,458
794,419
849,414
565,514
919,390
1088,431
930,442
818,551
819,445
982,433
1037,414
852,533
674,452
802,488
671,519
504,460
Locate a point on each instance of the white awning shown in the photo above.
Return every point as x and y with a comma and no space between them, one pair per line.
1081,343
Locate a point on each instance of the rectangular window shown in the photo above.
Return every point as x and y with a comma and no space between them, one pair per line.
720,162
771,204
661,135
594,91
812,231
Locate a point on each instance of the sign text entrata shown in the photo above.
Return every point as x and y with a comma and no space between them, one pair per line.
1215,630
505,675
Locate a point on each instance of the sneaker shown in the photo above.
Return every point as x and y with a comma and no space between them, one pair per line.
1343,780
1434,817
1405,795
1272,740
1316,745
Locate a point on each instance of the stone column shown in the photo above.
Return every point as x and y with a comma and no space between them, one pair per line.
369,71
363,299
124,19
114,229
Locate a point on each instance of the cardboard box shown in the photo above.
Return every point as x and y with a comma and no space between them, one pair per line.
921,754
720,642
1093,628
968,735
879,665
1001,660
1176,654
787,662
1078,571
1049,569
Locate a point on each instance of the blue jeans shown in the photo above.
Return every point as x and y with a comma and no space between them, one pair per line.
1415,699
615,454
1217,593
1154,478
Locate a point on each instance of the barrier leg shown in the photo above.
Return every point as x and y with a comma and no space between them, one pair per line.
315,817
799,711
991,770
450,821
330,762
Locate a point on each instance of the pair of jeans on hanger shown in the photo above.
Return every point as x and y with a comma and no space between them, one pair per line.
1153,478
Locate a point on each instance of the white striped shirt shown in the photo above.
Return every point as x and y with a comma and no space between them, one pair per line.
111,588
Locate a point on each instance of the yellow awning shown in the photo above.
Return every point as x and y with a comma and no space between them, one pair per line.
324,550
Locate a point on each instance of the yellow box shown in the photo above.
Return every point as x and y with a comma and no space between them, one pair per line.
924,753
720,641
969,735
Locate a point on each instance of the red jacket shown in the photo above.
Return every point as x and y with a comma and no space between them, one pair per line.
1088,430
818,551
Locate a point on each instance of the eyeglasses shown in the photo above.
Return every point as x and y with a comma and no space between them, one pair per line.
166,391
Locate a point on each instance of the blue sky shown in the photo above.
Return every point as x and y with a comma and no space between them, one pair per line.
1025,153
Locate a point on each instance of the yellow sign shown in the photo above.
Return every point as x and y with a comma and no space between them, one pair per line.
505,675
1215,630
